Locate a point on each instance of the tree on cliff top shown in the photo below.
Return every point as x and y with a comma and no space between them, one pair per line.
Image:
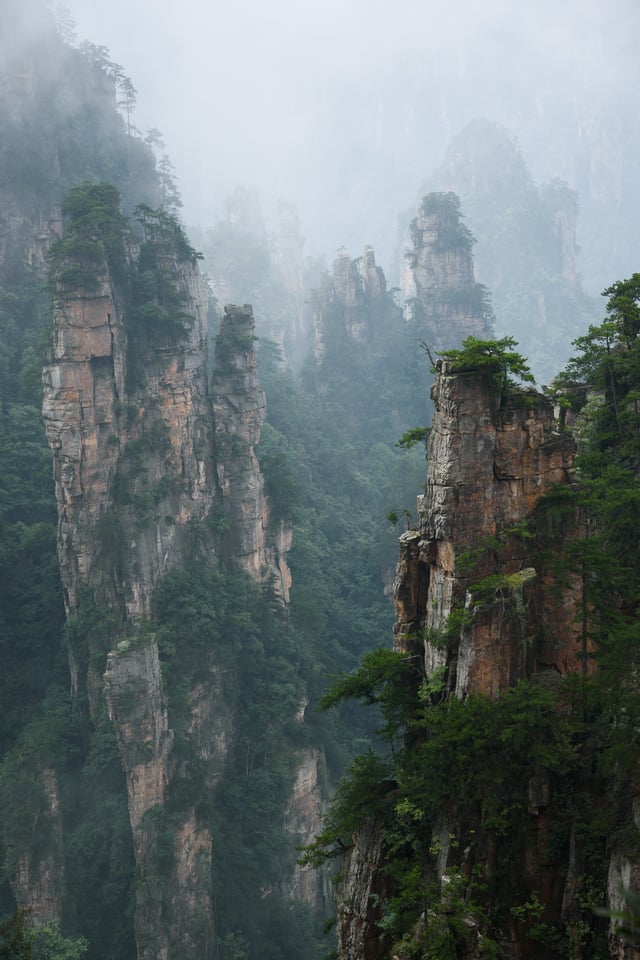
452,232
492,356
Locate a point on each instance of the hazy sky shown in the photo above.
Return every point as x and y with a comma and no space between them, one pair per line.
345,106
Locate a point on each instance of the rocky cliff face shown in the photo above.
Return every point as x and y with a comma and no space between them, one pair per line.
134,472
438,281
239,410
39,881
304,821
133,465
360,893
491,457
351,304
475,601
152,471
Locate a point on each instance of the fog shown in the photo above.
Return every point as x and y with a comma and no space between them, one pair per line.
345,108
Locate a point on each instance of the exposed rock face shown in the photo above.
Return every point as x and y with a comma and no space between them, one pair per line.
351,303
138,711
39,879
153,470
439,282
359,896
134,472
239,411
304,821
491,457
624,874
100,427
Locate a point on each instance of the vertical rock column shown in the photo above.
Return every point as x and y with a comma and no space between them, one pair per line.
134,472
492,455
438,279
239,409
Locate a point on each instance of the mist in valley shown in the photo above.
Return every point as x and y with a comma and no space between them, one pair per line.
345,110
306,147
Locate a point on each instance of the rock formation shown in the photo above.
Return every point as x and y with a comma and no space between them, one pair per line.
439,282
307,805
239,412
475,601
352,305
526,243
133,464
492,456
154,470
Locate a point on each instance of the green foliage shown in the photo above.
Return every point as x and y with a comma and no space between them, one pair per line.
452,233
31,610
48,943
364,792
62,135
414,436
482,764
98,843
603,381
216,619
278,467
46,740
89,633
158,307
385,677
476,760
95,236
15,942
495,357
164,236
377,385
